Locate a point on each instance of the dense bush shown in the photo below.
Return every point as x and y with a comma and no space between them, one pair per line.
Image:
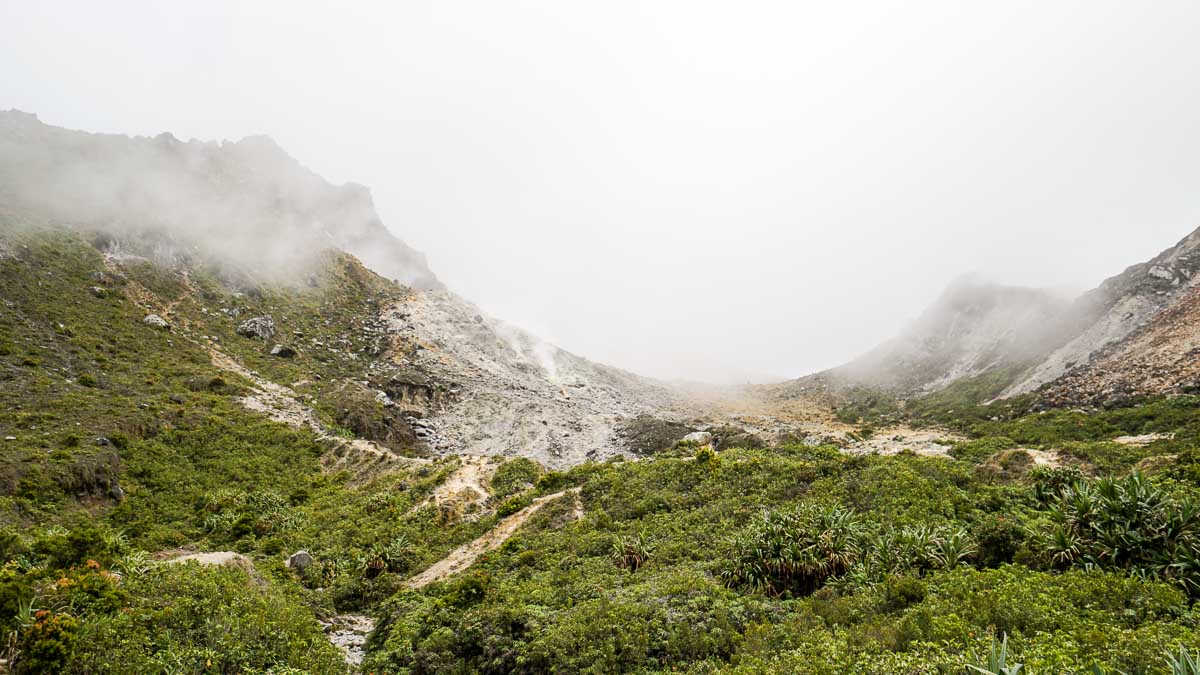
796,551
1124,523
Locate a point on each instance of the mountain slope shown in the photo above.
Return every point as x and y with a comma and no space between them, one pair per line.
1134,334
1147,299
972,329
454,380
244,202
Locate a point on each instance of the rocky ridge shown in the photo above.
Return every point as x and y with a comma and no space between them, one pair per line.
1137,328
1134,334
246,202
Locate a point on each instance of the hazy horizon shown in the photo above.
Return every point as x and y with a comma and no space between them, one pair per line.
681,191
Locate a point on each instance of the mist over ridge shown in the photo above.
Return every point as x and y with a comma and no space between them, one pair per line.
246,202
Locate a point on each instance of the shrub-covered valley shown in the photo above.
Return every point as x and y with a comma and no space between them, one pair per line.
1066,538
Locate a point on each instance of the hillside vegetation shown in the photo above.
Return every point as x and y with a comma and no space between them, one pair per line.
125,447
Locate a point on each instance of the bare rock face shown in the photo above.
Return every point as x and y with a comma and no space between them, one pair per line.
259,328
477,386
1135,334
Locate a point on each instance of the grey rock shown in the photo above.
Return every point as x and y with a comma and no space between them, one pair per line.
259,328
701,437
156,321
298,560
283,351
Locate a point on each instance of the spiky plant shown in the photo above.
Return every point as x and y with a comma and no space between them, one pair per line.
1184,663
996,662
795,550
1125,523
631,553
133,563
953,548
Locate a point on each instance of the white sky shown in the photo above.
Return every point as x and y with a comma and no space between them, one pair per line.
685,189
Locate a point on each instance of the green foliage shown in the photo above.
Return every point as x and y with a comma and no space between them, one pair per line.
47,644
1124,523
630,553
193,619
786,559
795,551
514,476
1184,663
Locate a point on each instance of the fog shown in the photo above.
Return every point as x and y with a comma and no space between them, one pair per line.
246,206
688,190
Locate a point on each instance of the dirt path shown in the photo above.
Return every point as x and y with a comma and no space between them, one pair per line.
282,404
1049,458
464,556
894,440
470,477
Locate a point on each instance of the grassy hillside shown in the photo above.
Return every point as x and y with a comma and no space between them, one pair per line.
123,445
122,441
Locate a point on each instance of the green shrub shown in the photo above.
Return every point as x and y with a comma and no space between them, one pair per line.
1124,523
513,476
46,645
513,505
902,591
795,551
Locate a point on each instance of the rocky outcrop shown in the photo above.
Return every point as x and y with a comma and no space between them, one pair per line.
283,352
1161,356
1134,334
259,328
156,321
298,561
482,387
1150,304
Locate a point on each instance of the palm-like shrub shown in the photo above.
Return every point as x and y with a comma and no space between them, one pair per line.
630,553
795,550
916,549
1124,523
952,548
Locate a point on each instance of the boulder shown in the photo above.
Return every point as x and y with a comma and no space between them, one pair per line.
259,328
156,321
700,437
283,351
298,560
